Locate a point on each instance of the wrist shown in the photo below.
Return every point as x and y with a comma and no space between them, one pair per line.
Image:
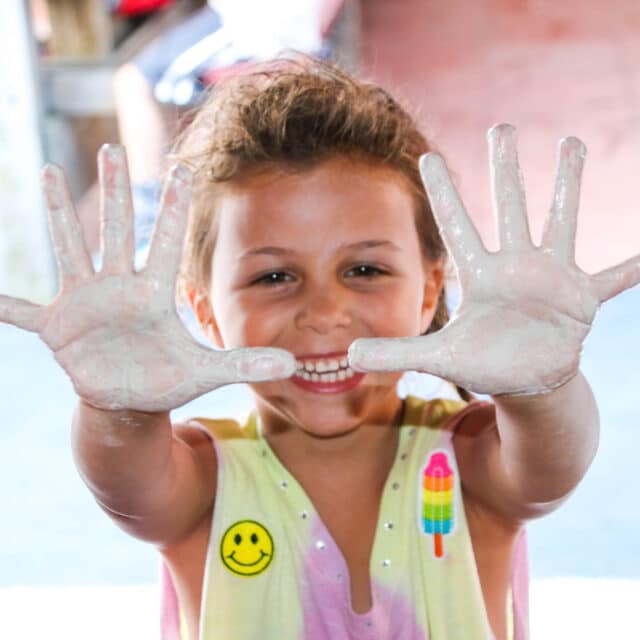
548,440
540,402
133,415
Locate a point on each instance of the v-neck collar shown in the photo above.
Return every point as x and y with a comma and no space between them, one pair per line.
389,516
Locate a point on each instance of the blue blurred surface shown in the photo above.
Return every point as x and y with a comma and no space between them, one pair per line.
52,532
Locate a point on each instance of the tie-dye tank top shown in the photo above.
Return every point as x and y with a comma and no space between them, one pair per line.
275,573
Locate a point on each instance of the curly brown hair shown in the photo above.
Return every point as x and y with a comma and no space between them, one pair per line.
292,114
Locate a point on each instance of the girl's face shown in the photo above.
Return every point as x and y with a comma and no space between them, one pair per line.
309,261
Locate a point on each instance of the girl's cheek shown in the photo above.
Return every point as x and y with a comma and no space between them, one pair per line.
257,327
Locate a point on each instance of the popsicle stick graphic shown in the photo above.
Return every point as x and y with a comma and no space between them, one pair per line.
437,499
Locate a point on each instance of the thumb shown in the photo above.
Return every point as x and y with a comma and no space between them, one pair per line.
427,354
258,364
21,313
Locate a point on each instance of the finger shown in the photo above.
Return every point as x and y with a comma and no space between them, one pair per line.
615,280
21,313
168,235
559,234
74,263
507,187
116,210
257,364
428,354
456,228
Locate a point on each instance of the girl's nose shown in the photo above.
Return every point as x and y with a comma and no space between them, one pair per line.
323,311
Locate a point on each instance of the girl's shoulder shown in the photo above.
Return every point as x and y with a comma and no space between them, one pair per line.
226,428
441,413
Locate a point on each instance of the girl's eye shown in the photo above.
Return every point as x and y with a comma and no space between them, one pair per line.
275,277
365,271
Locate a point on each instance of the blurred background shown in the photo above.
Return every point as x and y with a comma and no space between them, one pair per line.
79,73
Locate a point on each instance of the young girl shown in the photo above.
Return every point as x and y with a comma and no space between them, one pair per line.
313,261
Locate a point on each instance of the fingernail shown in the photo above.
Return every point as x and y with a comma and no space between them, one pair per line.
361,357
503,129
573,147
430,161
180,172
51,179
111,151
51,175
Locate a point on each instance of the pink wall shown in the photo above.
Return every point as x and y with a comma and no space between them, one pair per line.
551,68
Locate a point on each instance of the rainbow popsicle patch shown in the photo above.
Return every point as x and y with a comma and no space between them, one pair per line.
437,500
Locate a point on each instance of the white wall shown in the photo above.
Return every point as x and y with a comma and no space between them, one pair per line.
26,266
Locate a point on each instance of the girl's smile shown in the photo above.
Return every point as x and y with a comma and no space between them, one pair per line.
308,260
325,373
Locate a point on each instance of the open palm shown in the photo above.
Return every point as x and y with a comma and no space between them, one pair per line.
117,333
525,310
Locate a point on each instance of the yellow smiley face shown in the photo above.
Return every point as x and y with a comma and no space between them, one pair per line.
246,548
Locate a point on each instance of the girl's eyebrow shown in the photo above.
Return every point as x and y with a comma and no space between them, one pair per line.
279,251
371,244
269,251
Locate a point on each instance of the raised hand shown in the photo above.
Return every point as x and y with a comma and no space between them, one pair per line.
117,333
525,310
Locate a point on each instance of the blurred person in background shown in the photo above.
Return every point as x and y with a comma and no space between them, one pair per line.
176,68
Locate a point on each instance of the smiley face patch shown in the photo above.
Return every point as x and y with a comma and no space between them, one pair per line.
246,548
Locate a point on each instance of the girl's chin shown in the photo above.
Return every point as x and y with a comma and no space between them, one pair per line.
325,419
333,428
328,412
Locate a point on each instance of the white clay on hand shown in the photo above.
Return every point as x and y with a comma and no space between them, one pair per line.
117,333
524,310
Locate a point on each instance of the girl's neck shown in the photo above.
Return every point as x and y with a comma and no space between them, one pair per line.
370,444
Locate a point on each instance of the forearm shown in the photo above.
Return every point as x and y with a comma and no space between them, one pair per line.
547,442
122,456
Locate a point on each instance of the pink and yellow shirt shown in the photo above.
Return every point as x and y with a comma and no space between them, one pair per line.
275,573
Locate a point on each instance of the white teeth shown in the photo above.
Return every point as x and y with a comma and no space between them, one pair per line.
325,370
326,365
322,366
332,376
